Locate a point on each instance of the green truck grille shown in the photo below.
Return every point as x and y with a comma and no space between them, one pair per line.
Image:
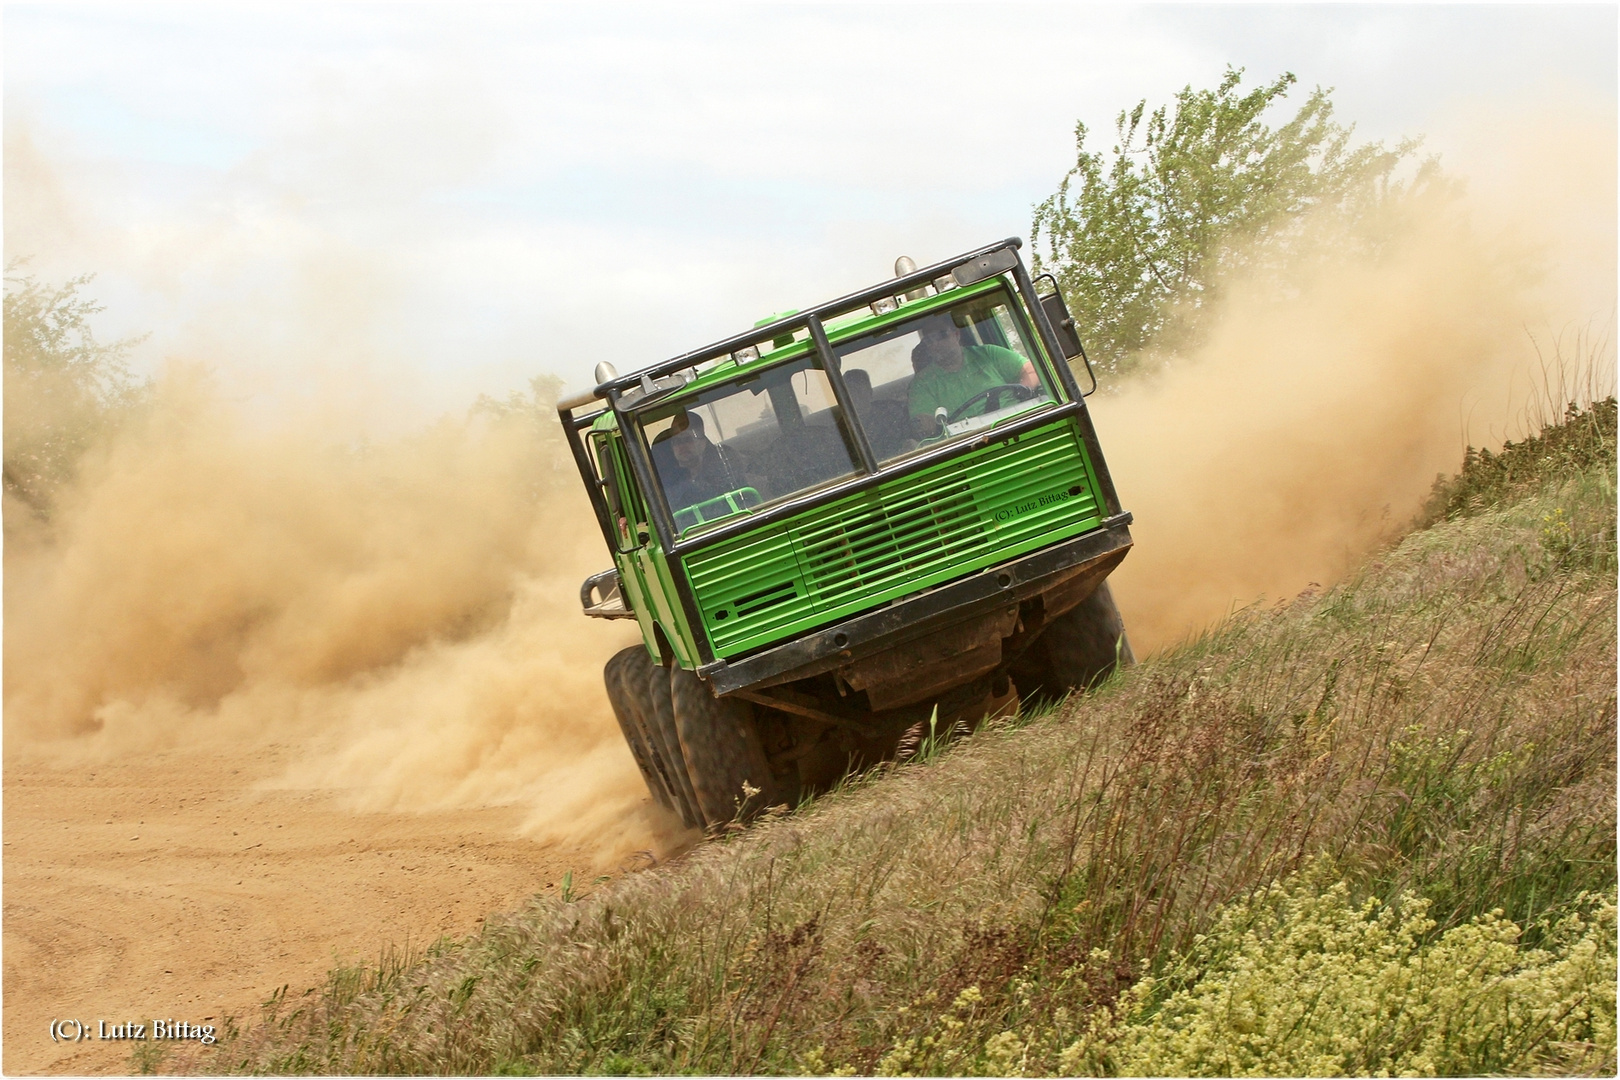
983,508
888,538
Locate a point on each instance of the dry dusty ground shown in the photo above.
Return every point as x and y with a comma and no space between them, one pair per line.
173,885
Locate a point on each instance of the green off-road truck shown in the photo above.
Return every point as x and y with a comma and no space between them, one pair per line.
885,511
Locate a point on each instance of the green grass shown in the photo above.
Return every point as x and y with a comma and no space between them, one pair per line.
1386,799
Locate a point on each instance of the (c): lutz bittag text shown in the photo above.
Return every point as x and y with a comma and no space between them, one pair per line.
157,1030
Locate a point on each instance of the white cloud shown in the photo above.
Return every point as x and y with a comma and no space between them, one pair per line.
479,193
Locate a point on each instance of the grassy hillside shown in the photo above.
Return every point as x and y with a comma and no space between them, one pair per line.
1372,828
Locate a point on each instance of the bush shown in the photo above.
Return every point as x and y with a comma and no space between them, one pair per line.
1300,981
64,391
1583,439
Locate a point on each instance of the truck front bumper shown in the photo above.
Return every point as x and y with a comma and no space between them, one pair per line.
1096,552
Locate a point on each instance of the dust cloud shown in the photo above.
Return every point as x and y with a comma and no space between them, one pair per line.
283,548
407,610
1309,425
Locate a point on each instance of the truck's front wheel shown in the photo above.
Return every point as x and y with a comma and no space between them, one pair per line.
661,721
731,777
1077,650
626,676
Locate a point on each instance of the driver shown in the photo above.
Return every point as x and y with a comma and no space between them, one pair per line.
953,374
691,467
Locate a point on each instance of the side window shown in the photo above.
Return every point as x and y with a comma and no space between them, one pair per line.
624,507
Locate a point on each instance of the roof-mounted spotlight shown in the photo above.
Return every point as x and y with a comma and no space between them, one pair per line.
906,265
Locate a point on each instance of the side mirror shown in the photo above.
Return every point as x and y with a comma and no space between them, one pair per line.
1057,313
1063,328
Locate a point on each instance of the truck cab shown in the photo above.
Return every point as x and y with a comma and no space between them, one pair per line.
843,522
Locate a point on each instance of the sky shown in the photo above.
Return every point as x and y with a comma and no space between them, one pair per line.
452,199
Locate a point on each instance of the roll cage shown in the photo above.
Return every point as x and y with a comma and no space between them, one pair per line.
628,396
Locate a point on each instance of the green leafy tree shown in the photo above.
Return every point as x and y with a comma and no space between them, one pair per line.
535,415
1140,237
534,412
63,389
538,407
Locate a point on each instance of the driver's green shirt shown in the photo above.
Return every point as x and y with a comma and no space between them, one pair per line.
983,366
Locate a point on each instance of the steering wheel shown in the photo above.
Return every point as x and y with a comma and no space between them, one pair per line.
992,396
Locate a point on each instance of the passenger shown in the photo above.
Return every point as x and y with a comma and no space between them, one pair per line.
953,375
692,469
860,388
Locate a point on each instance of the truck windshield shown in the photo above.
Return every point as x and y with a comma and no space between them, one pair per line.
750,443
943,376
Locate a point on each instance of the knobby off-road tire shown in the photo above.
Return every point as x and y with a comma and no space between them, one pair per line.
661,722
723,751
626,676
1077,650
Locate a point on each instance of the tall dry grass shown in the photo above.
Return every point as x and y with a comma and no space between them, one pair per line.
1439,726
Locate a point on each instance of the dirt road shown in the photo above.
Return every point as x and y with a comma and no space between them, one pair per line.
174,885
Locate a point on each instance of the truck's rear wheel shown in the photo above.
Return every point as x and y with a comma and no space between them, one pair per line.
724,756
1077,650
626,678
661,724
